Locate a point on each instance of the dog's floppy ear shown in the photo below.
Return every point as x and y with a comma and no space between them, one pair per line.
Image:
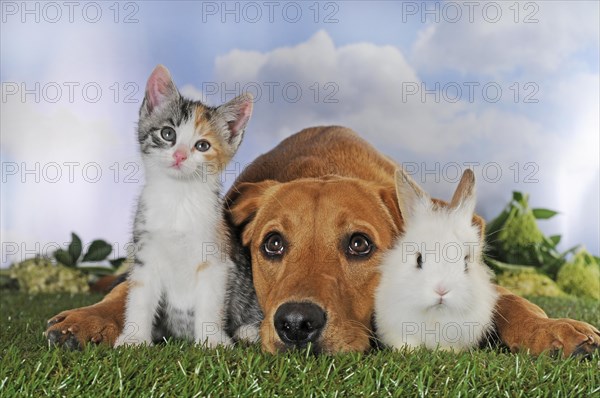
388,196
248,198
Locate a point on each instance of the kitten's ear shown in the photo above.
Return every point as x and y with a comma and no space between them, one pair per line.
464,198
236,114
159,90
410,195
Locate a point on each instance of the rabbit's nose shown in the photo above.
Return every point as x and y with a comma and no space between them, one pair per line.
441,291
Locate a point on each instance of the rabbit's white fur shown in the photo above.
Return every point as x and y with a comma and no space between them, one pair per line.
408,309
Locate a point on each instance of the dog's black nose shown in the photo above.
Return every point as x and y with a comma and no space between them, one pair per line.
297,324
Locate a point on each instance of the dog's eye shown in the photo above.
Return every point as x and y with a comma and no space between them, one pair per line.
273,245
419,261
359,245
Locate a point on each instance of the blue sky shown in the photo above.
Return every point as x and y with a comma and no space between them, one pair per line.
356,69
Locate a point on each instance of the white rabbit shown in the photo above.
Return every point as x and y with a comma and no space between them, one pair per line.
435,289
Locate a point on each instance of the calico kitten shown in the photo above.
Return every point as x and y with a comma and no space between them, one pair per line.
177,284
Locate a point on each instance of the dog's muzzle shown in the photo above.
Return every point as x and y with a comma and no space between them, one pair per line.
298,324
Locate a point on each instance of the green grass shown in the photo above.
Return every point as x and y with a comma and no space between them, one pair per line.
28,367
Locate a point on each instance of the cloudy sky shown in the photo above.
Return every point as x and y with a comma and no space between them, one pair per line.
509,88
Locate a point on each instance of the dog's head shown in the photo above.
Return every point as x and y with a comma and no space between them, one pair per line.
316,245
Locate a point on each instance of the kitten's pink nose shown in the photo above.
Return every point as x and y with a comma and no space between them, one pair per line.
180,155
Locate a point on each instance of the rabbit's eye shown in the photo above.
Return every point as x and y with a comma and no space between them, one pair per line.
419,261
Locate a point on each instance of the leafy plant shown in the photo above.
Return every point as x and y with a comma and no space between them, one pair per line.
42,275
581,276
99,250
514,238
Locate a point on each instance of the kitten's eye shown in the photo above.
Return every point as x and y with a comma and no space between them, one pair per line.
168,134
419,261
202,146
273,245
359,245
467,262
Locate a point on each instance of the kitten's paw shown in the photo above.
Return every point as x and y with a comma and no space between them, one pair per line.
132,340
219,338
214,342
134,335
248,334
73,329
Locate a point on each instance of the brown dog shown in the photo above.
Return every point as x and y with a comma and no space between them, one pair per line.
317,213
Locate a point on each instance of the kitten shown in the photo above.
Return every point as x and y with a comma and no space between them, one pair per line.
178,281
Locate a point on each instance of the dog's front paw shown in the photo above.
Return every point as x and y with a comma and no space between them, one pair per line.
73,329
550,335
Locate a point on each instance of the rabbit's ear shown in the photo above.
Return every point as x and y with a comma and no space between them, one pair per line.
410,195
464,197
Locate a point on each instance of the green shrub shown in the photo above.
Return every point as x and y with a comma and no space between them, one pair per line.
515,238
581,276
40,275
527,281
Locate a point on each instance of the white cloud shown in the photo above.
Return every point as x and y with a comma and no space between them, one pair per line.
365,79
372,97
366,83
52,151
563,29
370,100
31,134
578,176
62,173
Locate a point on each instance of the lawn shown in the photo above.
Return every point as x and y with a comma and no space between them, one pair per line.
28,367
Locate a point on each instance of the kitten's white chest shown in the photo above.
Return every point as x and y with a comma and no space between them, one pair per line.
180,229
181,262
180,207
